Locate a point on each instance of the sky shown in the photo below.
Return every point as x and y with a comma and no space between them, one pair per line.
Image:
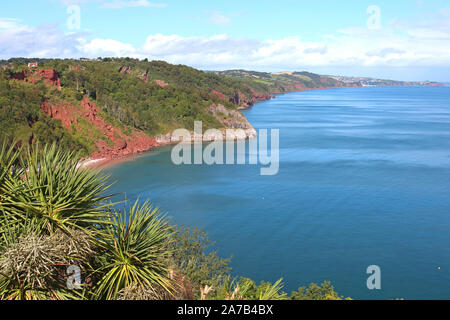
391,39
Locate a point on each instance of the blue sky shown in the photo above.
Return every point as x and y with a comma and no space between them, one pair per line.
401,39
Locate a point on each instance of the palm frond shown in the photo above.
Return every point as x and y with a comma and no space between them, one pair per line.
135,251
272,292
55,192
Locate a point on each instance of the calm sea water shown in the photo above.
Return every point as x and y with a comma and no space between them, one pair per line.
364,180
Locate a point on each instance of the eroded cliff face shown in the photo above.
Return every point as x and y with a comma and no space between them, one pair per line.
67,113
32,76
241,100
113,143
230,119
125,69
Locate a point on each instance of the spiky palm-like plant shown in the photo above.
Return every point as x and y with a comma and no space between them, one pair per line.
55,192
9,173
48,204
8,160
135,254
246,289
272,291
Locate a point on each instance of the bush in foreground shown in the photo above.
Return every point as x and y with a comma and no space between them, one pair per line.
55,215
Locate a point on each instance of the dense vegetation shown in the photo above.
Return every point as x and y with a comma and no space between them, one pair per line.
54,215
21,117
280,82
55,218
154,97
126,99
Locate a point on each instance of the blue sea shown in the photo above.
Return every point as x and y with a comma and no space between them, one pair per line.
364,179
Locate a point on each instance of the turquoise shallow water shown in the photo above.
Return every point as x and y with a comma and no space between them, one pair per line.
364,180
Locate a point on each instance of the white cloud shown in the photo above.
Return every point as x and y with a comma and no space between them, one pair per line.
399,44
8,23
104,47
44,41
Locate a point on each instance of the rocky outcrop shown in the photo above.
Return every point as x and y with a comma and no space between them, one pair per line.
236,99
229,118
125,69
67,113
51,76
243,102
222,134
32,76
145,77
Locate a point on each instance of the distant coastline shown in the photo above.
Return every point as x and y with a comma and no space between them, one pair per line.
165,140
116,107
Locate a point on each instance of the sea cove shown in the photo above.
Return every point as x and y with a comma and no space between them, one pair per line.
363,180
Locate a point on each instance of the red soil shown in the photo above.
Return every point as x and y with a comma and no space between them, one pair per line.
122,144
32,76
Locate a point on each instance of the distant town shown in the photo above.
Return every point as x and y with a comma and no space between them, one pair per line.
372,82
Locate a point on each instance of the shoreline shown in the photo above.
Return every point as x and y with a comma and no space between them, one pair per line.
162,139
105,161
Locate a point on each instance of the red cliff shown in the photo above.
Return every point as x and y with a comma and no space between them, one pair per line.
32,76
119,144
125,70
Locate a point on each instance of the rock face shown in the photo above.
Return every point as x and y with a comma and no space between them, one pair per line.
244,102
64,112
125,69
32,76
123,144
51,76
114,143
145,77
231,119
